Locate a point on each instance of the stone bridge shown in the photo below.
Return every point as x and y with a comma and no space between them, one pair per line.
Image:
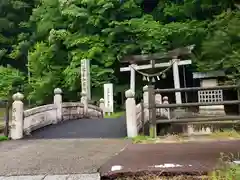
63,120
57,144
80,119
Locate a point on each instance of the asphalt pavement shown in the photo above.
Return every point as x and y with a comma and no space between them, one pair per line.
191,158
83,128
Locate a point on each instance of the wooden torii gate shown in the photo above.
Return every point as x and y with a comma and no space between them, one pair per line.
175,61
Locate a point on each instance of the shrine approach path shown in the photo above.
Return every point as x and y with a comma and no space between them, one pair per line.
71,147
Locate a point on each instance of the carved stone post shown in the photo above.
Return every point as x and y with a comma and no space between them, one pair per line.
102,105
158,100
84,100
166,111
131,114
145,103
58,102
16,131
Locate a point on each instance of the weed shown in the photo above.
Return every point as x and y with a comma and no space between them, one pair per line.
114,115
3,138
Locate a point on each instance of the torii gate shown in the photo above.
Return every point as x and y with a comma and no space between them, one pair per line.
174,55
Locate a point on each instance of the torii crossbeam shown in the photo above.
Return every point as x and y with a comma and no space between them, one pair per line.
173,55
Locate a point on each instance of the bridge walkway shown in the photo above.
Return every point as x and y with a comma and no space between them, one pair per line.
83,128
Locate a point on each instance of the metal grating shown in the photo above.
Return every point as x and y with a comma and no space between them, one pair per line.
210,96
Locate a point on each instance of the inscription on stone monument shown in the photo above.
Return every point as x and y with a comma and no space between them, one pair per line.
85,77
108,97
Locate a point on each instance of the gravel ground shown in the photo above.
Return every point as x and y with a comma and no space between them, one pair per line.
69,147
56,156
94,176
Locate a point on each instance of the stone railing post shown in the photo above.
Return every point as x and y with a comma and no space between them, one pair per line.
131,114
84,100
166,111
145,103
158,100
16,131
102,105
58,102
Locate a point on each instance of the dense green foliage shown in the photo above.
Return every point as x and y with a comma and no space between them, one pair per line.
51,37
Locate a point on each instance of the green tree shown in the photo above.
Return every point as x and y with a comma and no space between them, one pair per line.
101,30
221,48
60,33
14,15
11,81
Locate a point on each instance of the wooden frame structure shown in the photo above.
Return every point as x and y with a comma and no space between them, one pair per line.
220,119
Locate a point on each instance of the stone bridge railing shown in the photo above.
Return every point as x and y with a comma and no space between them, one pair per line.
75,110
26,121
138,115
39,117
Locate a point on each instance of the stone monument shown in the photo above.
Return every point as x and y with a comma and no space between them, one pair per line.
108,98
85,78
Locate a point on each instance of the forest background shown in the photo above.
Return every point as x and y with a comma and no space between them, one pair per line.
42,42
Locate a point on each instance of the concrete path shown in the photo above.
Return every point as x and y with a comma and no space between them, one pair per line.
56,156
193,158
84,128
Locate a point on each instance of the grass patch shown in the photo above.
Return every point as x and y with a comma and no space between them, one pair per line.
143,139
114,115
159,139
231,173
2,116
1,123
224,135
2,111
226,169
156,177
228,133
3,138
1,126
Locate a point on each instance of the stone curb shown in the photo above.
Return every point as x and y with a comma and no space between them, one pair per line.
95,176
